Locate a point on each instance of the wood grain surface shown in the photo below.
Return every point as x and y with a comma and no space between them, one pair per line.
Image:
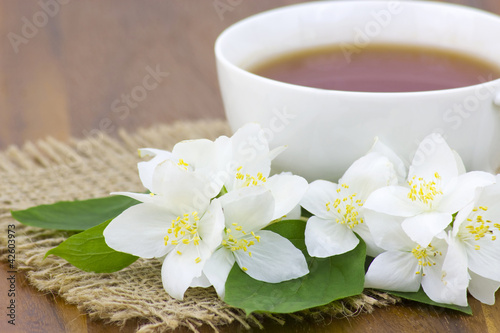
69,68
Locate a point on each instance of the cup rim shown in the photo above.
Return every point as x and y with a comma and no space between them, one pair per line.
220,58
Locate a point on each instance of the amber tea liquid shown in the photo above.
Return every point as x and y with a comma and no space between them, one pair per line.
379,68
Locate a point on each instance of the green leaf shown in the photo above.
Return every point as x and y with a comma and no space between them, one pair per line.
293,230
421,297
74,215
329,279
89,252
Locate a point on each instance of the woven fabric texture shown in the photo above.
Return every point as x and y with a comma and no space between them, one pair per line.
49,171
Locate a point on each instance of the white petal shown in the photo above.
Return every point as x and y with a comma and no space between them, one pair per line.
392,200
486,260
276,151
483,289
447,281
462,216
179,270
201,281
146,168
318,194
251,149
490,197
434,155
433,287
198,153
462,192
494,190
217,269
251,207
422,228
142,197
325,238
399,165
250,130
387,232
460,163
274,259
225,162
294,214
140,230
184,190
369,173
393,270
211,225
363,231
287,191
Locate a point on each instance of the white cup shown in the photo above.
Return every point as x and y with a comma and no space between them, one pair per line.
327,130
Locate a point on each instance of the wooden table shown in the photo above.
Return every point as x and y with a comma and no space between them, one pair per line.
69,68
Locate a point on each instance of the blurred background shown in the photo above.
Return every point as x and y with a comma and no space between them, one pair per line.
73,67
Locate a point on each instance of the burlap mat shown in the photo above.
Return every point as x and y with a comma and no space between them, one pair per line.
49,171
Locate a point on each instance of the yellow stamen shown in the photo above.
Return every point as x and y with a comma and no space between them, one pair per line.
249,180
182,164
346,208
183,229
239,239
425,257
425,191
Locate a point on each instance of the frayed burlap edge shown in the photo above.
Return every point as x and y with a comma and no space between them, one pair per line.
49,171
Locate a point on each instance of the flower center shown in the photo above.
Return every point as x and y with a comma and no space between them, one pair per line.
249,180
346,208
238,239
184,230
425,191
477,227
425,257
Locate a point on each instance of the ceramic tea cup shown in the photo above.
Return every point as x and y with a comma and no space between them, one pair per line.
327,130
